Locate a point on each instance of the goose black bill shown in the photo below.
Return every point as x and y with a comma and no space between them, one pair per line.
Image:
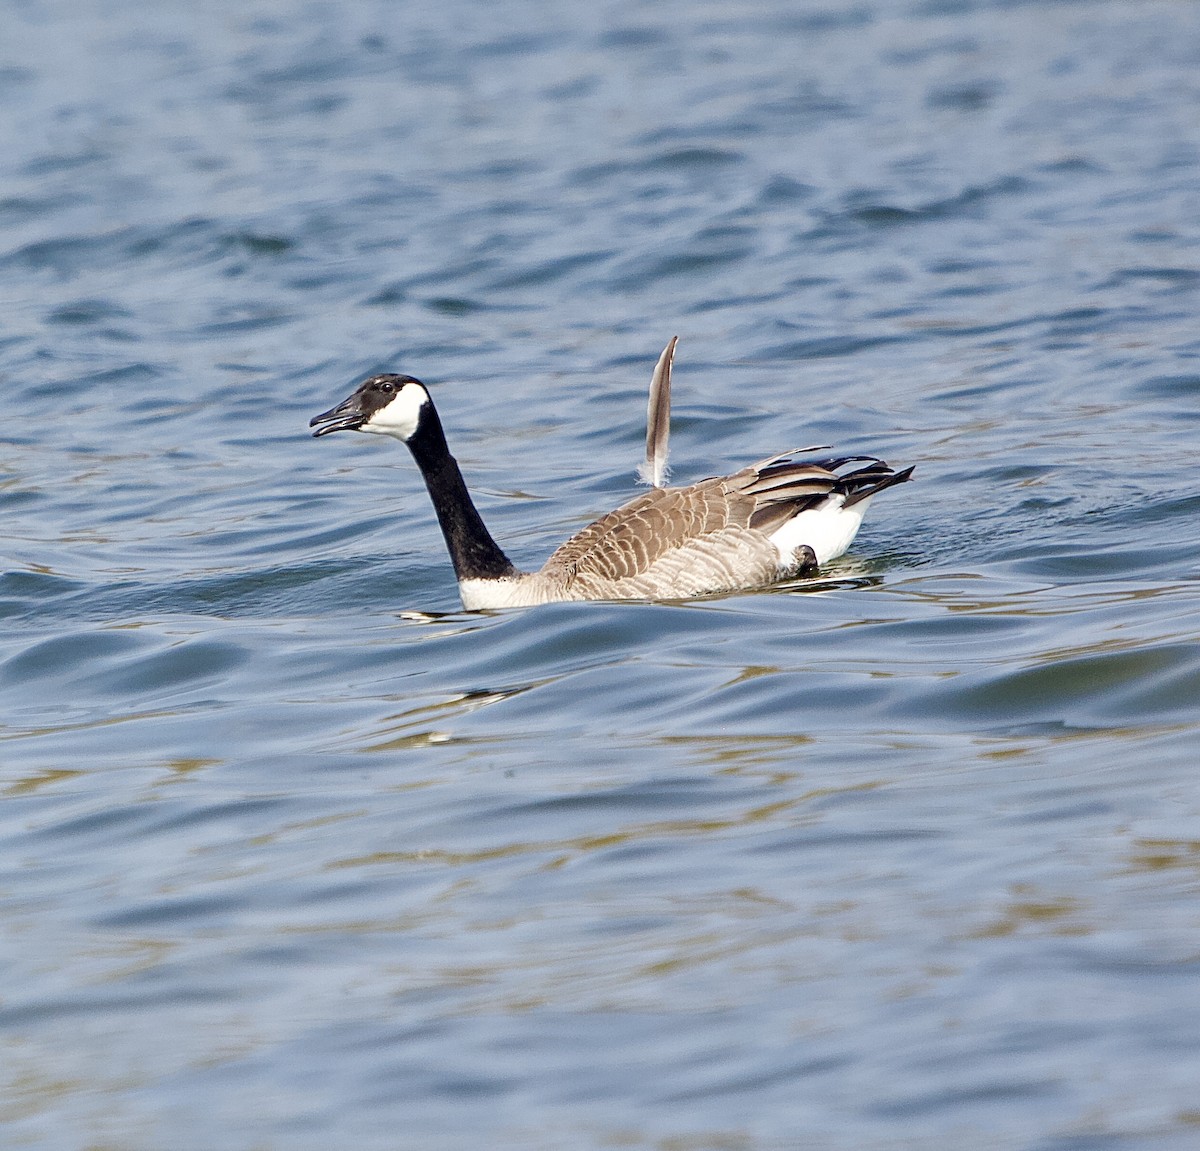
348,416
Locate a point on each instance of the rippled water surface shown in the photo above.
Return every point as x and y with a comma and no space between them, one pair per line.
296,854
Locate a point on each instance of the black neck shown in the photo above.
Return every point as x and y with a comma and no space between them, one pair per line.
473,552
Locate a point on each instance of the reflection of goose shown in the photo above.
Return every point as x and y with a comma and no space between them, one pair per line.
773,520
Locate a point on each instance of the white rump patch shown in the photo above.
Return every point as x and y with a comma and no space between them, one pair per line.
829,530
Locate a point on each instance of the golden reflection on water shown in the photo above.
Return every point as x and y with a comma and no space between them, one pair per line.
30,1093
127,957
649,830
38,779
1029,910
17,733
1165,855
181,768
1016,746
735,754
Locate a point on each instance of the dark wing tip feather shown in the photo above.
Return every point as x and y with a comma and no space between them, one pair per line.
785,489
865,482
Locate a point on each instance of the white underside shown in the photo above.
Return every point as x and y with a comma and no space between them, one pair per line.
515,591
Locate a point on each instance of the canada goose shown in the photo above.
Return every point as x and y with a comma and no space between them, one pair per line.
773,520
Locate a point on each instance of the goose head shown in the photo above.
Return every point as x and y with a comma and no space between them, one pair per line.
386,405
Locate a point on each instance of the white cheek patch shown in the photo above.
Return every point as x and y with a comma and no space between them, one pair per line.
401,417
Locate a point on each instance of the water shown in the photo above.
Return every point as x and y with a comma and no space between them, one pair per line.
297,854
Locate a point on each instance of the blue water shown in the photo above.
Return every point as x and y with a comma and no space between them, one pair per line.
296,854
